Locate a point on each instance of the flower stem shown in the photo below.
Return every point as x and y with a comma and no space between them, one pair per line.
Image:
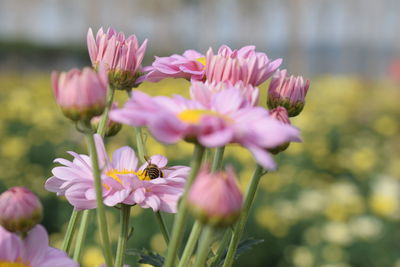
84,222
140,144
239,226
69,234
123,235
204,247
104,118
179,223
163,227
190,244
81,234
221,248
101,216
218,156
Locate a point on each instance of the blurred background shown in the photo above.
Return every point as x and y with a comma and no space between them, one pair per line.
335,200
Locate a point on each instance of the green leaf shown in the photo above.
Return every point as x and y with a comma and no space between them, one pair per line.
147,257
243,246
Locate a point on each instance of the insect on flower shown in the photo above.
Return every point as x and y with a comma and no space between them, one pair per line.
153,171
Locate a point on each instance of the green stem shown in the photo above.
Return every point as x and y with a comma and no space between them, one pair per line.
86,218
221,249
217,161
239,227
69,234
102,128
190,244
101,216
163,227
179,223
204,247
140,144
123,235
81,234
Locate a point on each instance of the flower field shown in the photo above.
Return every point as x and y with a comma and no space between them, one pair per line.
335,201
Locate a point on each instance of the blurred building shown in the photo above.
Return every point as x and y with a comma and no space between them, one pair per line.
315,35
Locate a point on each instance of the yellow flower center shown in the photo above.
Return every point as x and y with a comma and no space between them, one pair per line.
193,116
202,61
12,264
142,175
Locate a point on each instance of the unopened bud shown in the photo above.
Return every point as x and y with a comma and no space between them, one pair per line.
287,92
281,115
81,94
215,198
20,210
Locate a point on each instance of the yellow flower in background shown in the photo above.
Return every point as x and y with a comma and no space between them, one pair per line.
92,257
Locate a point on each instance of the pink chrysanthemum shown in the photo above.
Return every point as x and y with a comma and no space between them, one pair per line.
244,65
190,66
20,209
123,181
215,198
121,56
33,251
203,92
288,91
224,121
80,94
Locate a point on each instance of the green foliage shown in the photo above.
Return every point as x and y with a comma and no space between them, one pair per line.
147,257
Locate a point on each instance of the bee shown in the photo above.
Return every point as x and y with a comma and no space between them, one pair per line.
152,170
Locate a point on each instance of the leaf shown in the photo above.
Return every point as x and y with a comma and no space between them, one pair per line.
147,257
243,246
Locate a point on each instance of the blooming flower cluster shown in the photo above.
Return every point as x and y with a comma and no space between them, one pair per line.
123,180
223,109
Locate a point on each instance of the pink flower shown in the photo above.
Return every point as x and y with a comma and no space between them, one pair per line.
222,122
123,181
280,114
288,92
121,56
80,94
215,198
33,251
190,66
20,209
244,65
203,92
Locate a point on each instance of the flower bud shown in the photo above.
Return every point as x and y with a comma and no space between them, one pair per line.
288,92
281,115
20,210
121,56
80,94
112,127
215,198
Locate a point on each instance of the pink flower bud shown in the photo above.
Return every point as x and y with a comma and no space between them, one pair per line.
20,209
80,94
113,127
281,115
215,198
121,56
288,92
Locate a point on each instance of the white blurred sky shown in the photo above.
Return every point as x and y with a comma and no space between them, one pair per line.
366,28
